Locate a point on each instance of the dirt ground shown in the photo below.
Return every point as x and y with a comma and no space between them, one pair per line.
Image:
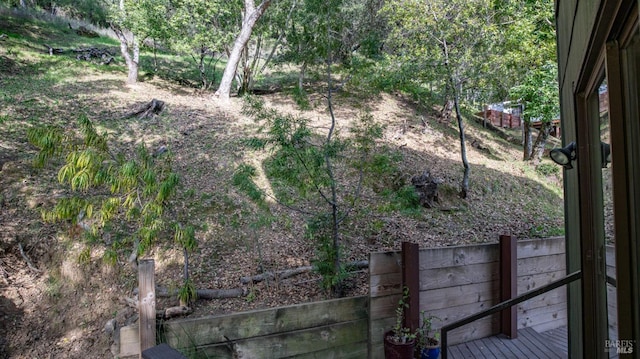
53,307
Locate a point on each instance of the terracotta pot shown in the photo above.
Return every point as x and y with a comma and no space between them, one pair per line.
393,350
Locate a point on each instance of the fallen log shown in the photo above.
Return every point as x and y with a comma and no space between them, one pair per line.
53,50
221,293
164,292
173,312
147,110
287,273
166,313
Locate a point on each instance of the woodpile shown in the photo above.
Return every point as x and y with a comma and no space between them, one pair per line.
102,55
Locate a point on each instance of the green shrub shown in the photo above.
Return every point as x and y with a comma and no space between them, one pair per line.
548,169
110,192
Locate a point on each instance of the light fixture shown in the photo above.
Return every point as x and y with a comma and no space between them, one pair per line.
563,156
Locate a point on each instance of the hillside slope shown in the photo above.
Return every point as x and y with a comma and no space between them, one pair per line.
51,304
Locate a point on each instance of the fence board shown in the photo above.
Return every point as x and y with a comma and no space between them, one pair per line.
529,282
385,284
540,247
346,336
551,317
543,264
556,296
460,275
352,351
284,325
458,256
384,307
452,314
384,262
460,295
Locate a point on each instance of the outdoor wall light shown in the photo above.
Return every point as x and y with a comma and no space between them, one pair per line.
563,156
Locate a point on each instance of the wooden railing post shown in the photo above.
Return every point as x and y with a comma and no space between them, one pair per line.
147,304
411,280
508,285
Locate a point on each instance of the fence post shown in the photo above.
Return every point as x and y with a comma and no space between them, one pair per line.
411,279
508,285
147,304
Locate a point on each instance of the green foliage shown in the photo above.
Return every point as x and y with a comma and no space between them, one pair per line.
406,198
301,98
546,230
425,334
304,170
402,334
111,192
324,264
539,93
187,293
53,286
548,169
49,140
85,256
327,255
242,179
185,236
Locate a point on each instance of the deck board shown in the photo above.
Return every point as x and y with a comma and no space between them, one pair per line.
528,344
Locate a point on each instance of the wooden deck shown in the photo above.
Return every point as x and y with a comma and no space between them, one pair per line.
528,344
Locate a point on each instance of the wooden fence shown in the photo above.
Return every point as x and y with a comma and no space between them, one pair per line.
328,329
501,119
456,282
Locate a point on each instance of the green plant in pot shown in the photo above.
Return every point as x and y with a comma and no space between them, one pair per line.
399,343
428,339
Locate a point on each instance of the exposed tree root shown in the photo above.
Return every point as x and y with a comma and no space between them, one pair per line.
148,110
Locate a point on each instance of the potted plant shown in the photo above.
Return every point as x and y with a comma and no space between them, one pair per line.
428,339
399,343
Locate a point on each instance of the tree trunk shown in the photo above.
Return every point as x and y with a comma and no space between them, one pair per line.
541,141
337,288
527,141
456,85
303,69
132,76
130,58
249,19
464,188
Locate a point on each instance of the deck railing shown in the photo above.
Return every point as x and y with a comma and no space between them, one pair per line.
504,305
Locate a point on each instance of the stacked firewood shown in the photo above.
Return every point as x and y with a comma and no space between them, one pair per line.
105,56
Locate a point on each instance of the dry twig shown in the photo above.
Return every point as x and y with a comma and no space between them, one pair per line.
26,258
